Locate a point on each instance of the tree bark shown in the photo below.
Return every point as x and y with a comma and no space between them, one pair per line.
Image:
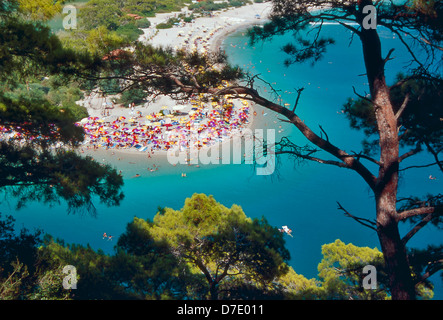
213,290
394,252
213,282
401,282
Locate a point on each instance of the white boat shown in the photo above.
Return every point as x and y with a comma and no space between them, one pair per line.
286,230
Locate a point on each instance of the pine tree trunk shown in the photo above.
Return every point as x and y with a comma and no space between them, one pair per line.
394,252
213,291
401,282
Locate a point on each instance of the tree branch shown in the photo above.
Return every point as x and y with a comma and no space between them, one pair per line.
315,159
299,91
417,228
414,212
403,106
410,153
326,135
435,154
432,268
363,156
351,162
419,166
366,222
388,56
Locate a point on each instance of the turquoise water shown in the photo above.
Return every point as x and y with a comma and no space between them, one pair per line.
302,196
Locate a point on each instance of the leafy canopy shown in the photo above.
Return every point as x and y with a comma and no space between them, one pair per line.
37,150
218,242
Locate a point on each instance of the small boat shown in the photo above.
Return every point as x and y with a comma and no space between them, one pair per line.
286,230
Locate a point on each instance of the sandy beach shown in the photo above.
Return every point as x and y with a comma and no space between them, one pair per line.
209,30
204,34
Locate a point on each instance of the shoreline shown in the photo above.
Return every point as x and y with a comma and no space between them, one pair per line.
127,160
218,40
130,163
219,25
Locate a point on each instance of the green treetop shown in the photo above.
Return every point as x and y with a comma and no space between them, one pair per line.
219,242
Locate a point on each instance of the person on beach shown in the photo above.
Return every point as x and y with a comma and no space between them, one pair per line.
212,124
